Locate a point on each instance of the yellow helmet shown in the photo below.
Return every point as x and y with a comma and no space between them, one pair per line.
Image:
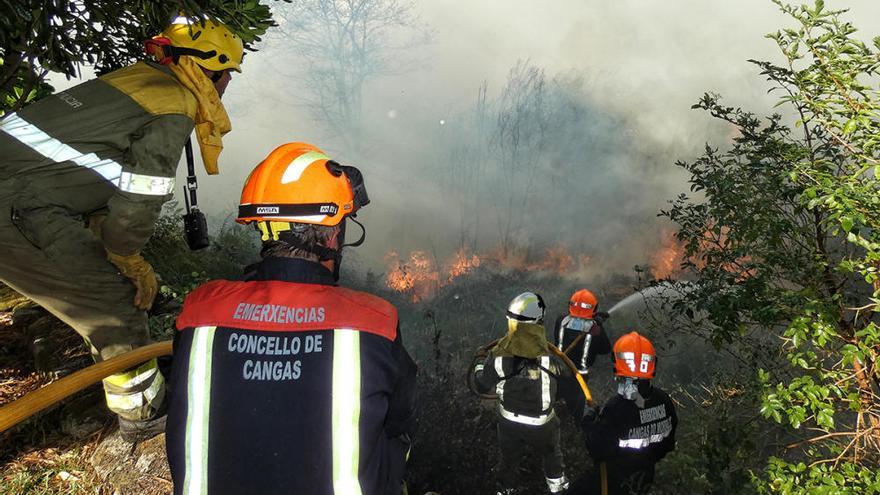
210,43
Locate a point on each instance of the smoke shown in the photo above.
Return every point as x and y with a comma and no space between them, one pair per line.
591,160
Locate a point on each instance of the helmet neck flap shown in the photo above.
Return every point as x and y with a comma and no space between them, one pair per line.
323,253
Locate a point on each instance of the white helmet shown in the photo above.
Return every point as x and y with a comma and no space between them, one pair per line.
528,307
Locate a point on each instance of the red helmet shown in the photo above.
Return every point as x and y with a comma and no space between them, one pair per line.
634,357
583,303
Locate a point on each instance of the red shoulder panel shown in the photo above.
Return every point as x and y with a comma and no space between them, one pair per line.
286,307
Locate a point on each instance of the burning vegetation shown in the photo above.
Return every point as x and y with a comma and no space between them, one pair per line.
421,275
666,262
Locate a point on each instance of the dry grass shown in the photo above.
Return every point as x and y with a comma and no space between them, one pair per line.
49,454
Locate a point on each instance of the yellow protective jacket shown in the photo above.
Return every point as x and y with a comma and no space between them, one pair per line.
108,145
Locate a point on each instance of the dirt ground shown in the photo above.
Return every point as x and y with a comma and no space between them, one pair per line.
72,447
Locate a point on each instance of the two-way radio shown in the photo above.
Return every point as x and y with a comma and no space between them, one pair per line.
195,225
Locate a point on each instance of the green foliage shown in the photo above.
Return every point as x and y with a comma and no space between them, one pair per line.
784,242
22,92
180,270
842,479
715,442
38,37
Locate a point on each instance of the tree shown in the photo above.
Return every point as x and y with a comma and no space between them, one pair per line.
344,44
784,243
41,36
520,135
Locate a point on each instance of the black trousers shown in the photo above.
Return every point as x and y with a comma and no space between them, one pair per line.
398,453
517,440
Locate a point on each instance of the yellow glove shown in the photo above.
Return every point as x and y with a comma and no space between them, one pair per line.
141,274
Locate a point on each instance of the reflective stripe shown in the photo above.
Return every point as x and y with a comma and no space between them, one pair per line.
562,332
117,402
198,406
499,370
638,443
296,168
557,485
132,378
588,339
53,149
346,393
633,443
479,368
148,185
526,420
307,218
545,383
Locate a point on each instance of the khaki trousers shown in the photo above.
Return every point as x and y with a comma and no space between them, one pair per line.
48,255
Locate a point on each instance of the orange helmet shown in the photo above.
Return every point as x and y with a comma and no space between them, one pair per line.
298,183
583,303
634,357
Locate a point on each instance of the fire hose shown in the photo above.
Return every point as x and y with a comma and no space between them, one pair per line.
38,400
482,352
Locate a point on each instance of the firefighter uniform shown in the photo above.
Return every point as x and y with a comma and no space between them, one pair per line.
109,146
527,378
629,439
594,342
527,423
287,383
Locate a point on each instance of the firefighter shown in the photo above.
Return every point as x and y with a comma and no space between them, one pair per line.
635,428
286,382
104,153
580,332
524,373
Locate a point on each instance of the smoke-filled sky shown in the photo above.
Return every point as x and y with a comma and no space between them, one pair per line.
628,69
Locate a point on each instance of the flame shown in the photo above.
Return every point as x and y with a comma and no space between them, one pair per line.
420,276
461,264
417,275
666,262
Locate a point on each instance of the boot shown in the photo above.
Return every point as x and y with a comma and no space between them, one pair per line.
137,431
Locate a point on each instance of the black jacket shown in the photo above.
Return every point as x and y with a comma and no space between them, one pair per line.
594,343
629,438
285,383
528,387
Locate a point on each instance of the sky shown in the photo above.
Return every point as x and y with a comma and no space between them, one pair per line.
641,65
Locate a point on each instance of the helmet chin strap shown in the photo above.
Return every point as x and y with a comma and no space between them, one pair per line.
357,242
337,259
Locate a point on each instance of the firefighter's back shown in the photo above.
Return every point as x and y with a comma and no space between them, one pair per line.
281,387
